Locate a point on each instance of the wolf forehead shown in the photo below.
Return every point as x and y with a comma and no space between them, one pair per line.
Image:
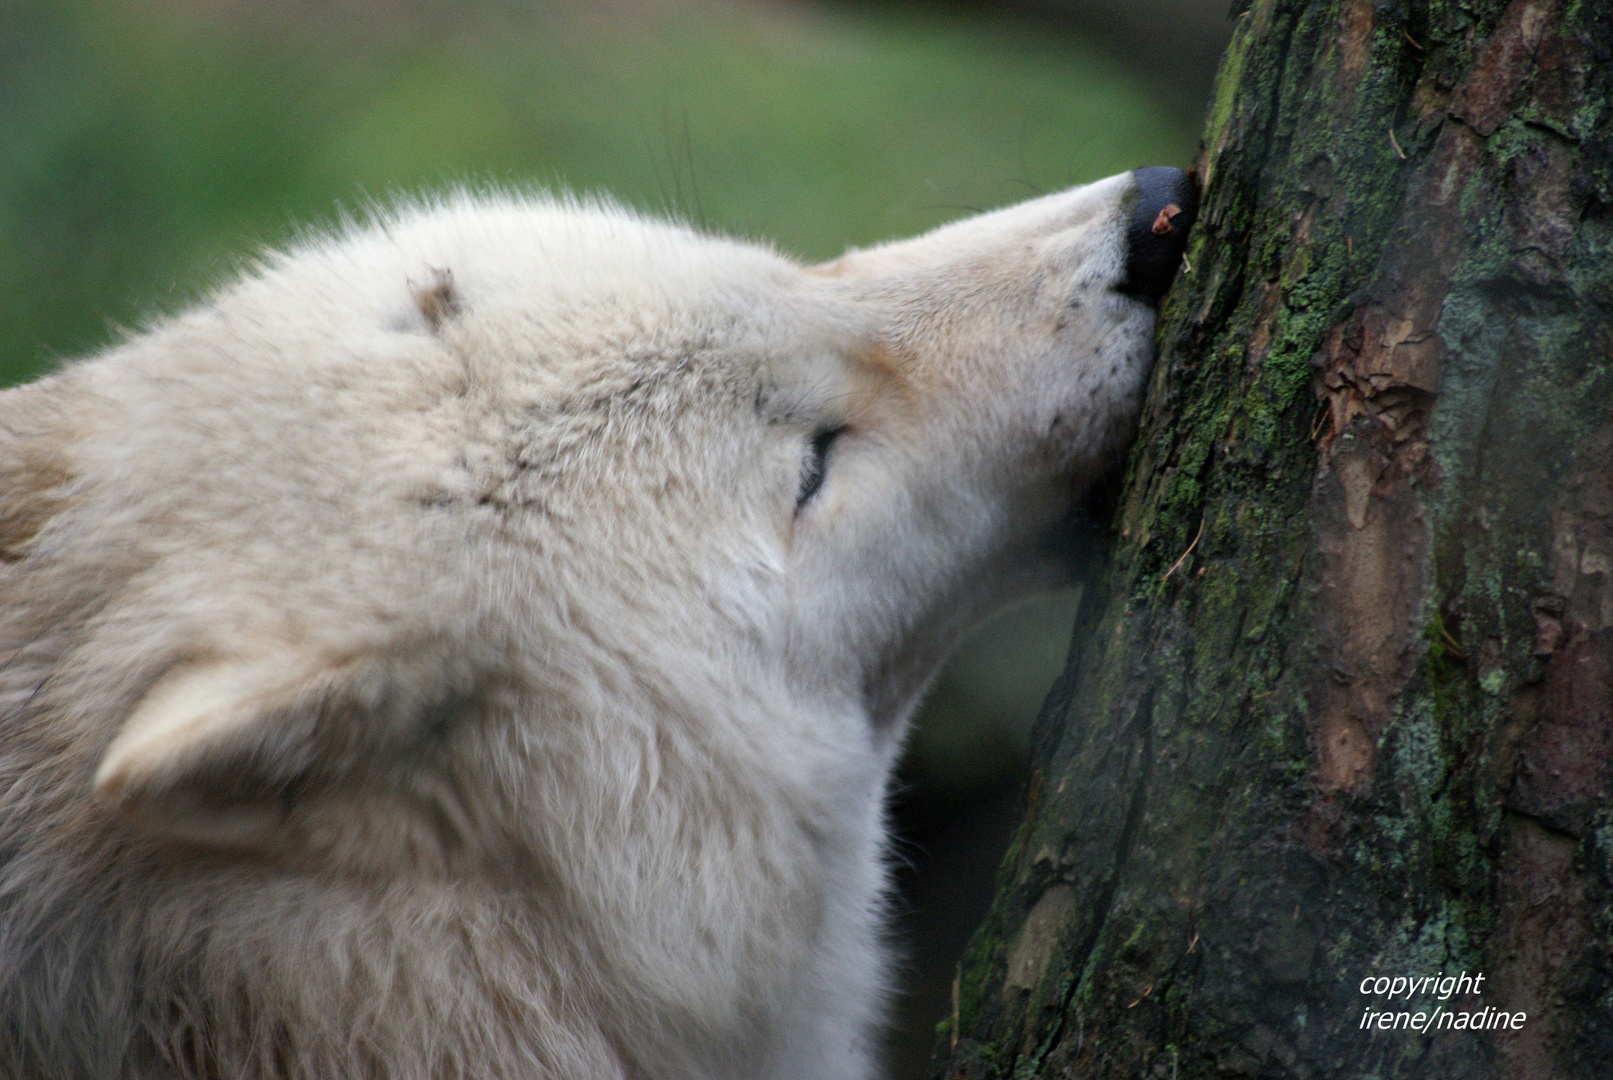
412,349
558,304
544,312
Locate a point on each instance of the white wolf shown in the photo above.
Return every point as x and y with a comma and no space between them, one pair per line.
476,645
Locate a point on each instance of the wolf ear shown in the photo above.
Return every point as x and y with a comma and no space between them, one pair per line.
220,750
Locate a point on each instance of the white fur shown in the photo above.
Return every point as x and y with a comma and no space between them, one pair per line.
416,665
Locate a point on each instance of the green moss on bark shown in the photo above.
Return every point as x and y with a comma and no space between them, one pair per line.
1342,703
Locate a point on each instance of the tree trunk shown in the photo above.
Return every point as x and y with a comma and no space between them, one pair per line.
1341,703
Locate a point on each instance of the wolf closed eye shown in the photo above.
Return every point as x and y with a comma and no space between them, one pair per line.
816,463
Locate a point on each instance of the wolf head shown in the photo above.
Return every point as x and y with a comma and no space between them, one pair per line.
535,545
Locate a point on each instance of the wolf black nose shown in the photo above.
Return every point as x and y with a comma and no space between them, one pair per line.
1167,200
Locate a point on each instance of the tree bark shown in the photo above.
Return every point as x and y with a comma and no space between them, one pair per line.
1340,706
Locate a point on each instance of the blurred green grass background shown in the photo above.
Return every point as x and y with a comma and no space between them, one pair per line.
148,148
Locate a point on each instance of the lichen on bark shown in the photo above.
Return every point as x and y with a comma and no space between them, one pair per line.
1341,703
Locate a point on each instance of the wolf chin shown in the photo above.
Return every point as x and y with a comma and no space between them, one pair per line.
476,645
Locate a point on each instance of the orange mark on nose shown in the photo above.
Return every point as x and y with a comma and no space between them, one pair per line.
1162,223
891,368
